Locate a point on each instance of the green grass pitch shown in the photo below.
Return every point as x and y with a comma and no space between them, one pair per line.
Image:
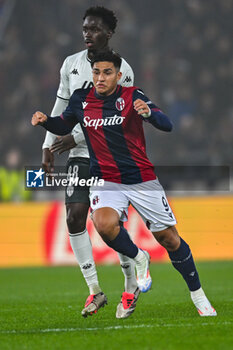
40,309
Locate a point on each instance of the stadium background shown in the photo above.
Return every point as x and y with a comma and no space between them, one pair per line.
181,54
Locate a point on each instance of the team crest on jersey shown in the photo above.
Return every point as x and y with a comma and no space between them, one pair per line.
95,200
120,104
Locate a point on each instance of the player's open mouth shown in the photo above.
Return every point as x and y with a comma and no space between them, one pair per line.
89,43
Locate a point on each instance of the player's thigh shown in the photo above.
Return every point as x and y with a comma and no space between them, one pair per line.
150,201
77,168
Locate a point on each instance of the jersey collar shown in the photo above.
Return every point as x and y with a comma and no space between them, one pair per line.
88,59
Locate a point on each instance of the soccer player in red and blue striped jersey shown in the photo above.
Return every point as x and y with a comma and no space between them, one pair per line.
111,117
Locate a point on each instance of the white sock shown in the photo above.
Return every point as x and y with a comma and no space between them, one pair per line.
141,263
198,295
128,269
82,248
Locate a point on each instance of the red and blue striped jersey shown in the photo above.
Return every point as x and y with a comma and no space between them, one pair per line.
114,132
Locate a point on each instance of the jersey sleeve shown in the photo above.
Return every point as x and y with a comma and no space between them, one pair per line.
63,91
127,78
157,118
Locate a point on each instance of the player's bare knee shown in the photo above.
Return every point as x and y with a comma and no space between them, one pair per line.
160,237
75,224
75,221
76,215
106,221
171,244
105,228
168,238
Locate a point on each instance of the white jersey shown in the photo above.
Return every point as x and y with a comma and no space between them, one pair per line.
76,73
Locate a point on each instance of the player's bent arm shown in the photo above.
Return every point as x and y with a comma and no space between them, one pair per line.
150,112
154,115
159,120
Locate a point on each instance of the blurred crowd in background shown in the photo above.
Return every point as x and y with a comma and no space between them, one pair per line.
181,54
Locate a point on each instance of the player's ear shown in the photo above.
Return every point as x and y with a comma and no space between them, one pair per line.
119,75
109,34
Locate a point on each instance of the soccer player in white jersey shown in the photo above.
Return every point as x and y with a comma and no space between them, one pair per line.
118,157
99,25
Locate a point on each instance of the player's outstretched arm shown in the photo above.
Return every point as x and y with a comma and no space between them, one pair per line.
57,125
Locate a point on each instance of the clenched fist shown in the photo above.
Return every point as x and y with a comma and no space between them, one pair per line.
142,108
38,118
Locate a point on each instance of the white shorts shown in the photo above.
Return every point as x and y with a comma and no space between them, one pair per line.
148,198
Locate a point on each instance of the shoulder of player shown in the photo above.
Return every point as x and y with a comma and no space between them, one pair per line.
69,60
80,94
124,64
125,67
130,89
132,93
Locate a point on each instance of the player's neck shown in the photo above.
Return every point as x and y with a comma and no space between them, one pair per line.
92,53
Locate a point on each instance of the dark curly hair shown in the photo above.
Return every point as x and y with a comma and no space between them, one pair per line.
108,17
108,56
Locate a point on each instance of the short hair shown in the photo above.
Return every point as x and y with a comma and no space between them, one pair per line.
108,17
107,56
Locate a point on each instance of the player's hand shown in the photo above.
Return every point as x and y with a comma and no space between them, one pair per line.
142,108
63,143
47,161
38,118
